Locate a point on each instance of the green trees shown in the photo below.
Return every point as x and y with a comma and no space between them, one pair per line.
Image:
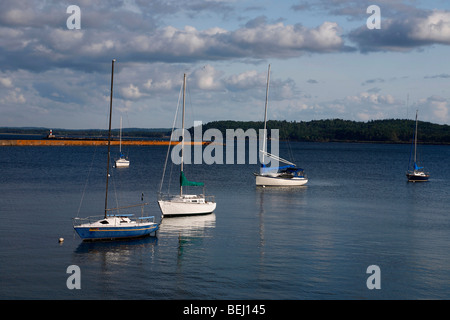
338,130
391,130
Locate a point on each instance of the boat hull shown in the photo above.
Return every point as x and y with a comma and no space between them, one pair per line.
115,233
183,208
417,177
122,163
279,181
114,228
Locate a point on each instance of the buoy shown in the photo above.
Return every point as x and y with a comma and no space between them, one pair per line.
61,240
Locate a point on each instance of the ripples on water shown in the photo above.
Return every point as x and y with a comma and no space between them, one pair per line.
312,242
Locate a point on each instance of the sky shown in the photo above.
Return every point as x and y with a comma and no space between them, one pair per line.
326,62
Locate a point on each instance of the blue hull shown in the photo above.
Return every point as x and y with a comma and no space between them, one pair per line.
115,233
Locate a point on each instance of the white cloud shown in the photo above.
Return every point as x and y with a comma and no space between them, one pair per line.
207,78
434,108
6,82
245,80
13,97
290,40
131,92
433,28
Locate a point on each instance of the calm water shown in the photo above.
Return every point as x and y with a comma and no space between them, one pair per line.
314,242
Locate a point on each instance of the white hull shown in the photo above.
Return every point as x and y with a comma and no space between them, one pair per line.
279,181
186,205
122,163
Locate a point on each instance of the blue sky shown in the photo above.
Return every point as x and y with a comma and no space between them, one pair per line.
325,62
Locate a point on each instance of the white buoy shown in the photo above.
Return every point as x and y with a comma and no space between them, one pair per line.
61,240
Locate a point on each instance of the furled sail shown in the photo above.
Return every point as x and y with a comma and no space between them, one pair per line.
185,182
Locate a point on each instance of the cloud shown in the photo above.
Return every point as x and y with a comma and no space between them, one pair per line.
355,10
6,82
434,108
35,37
400,34
207,78
289,40
131,92
442,75
372,81
13,97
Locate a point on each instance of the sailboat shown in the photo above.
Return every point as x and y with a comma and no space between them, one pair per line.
287,175
416,173
185,204
122,161
114,226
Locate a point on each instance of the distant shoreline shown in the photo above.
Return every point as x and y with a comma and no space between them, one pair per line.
389,131
86,142
102,142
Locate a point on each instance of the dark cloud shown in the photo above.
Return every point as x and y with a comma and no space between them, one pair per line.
404,34
372,81
355,10
442,75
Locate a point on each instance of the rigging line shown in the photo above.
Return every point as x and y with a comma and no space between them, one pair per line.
128,121
115,189
191,109
87,180
291,154
170,141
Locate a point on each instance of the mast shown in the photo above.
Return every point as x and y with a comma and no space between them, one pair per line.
415,141
109,137
265,114
120,137
182,132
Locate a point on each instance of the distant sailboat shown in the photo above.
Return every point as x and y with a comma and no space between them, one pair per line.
416,173
185,204
288,175
122,161
114,226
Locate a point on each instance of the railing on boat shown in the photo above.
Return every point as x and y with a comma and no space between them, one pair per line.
167,197
92,219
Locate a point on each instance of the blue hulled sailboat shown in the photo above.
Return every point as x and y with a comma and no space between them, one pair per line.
114,226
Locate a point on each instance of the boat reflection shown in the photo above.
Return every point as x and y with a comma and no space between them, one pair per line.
114,251
190,232
188,226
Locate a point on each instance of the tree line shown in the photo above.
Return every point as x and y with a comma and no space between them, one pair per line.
331,130
338,130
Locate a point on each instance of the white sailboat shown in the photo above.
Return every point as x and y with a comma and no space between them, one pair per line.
288,175
185,204
114,226
122,161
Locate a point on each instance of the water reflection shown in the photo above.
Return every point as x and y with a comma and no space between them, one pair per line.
189,230
114,251
188,226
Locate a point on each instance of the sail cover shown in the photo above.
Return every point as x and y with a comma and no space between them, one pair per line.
185,182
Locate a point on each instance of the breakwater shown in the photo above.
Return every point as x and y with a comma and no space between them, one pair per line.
86,142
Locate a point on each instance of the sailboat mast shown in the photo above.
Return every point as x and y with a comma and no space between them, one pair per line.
109,137
120,137
415,140
265,114
182,132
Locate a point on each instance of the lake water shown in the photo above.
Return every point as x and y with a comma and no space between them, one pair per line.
313,242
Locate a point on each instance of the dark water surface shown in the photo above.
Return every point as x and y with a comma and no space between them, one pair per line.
313,242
